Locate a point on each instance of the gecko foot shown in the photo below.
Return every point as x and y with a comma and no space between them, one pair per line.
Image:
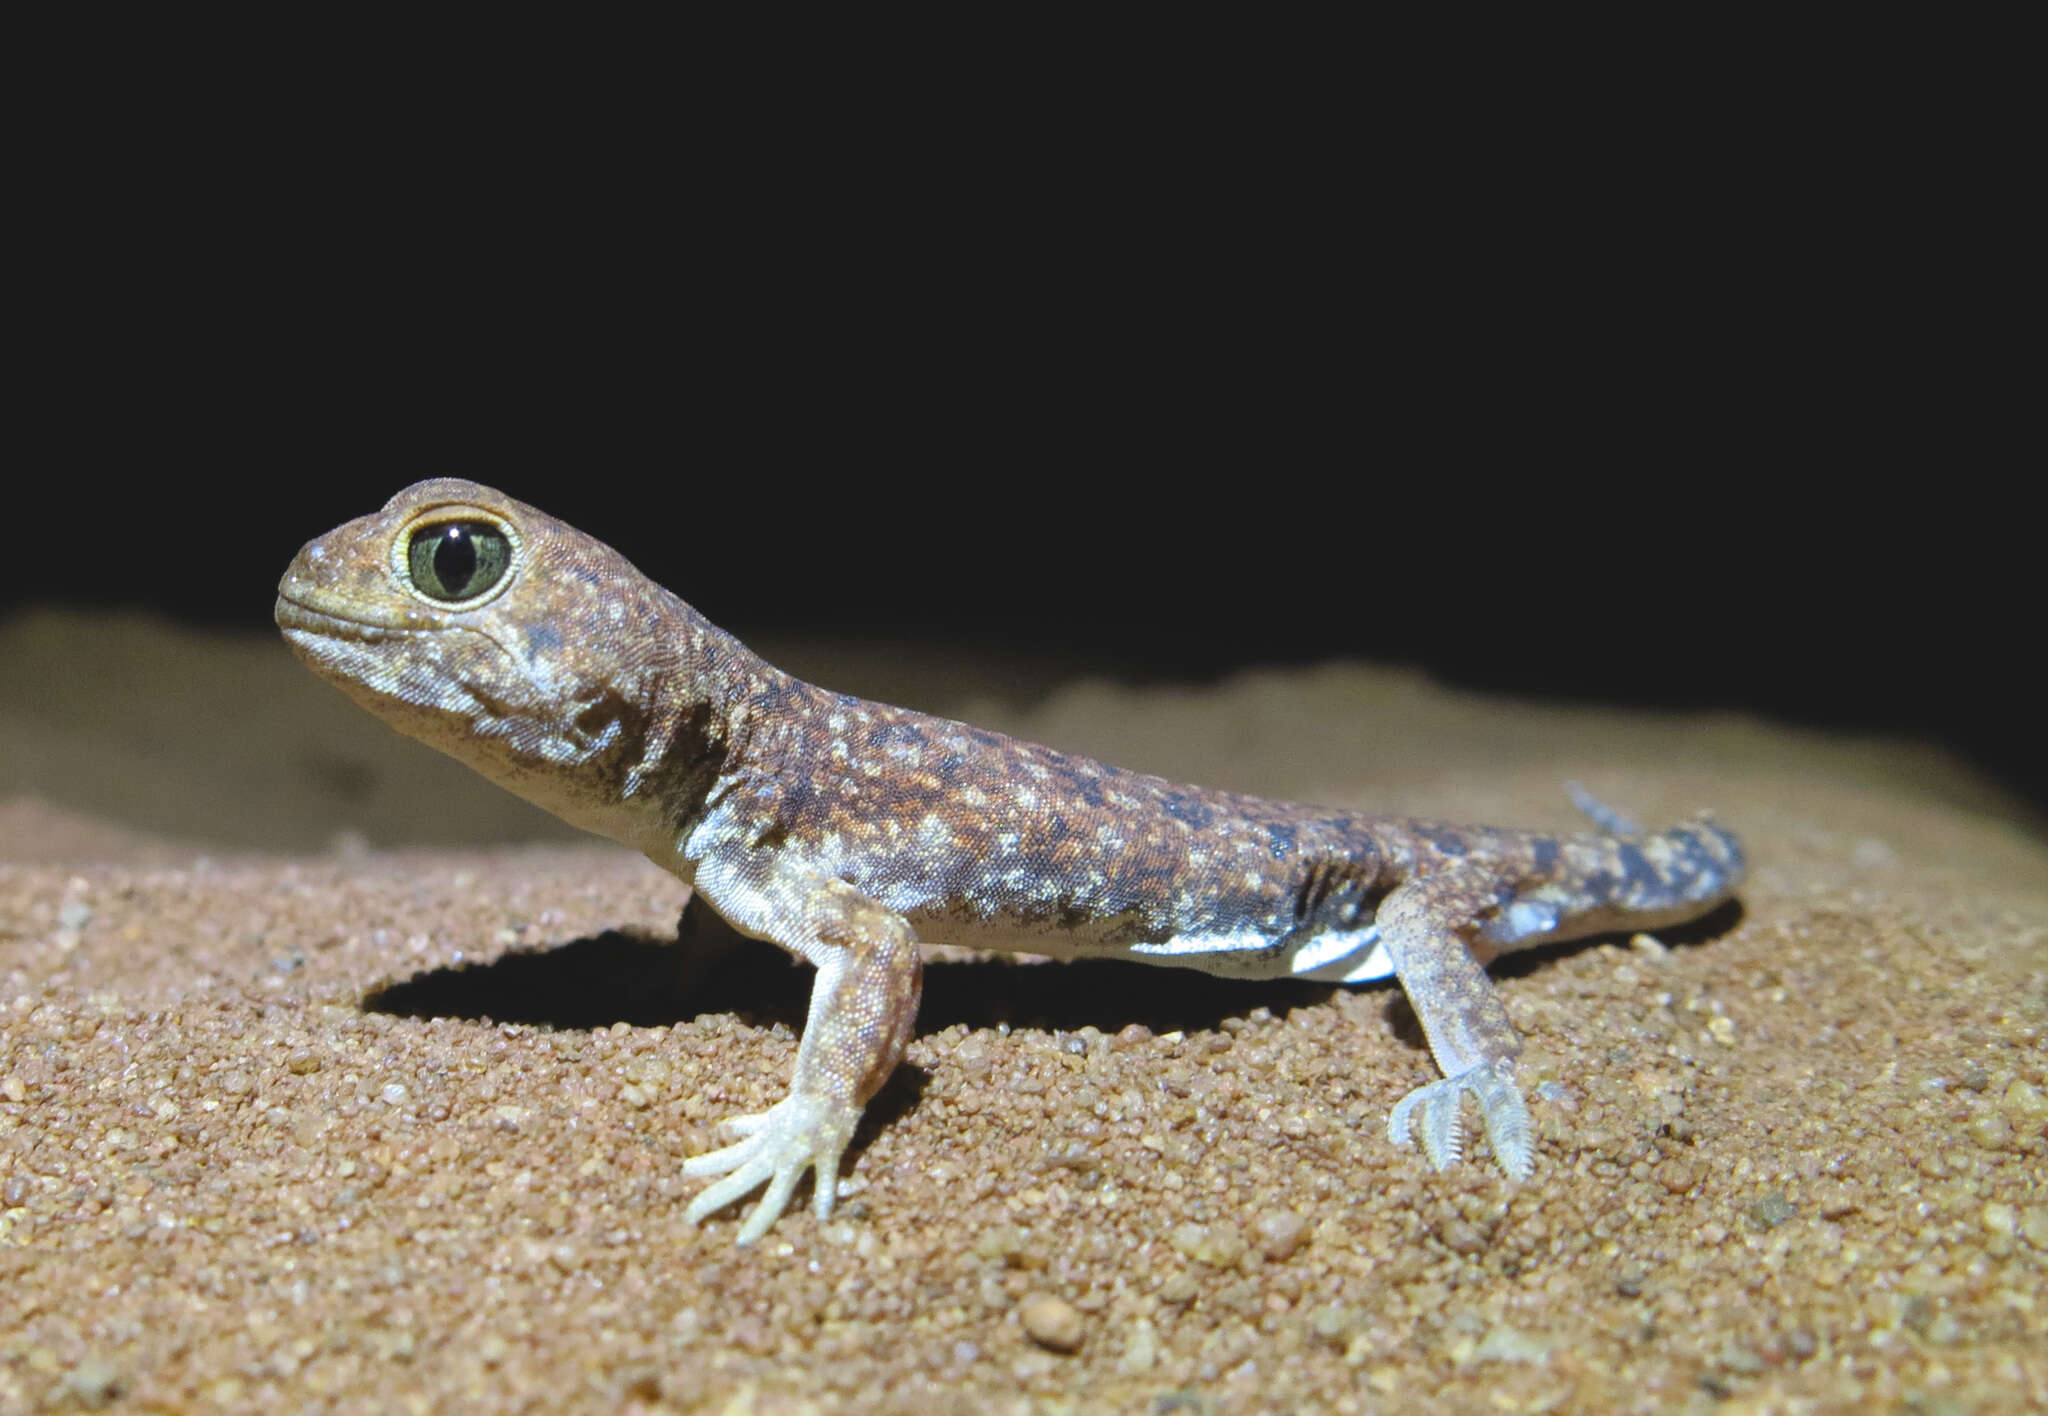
1501,1109
782,1142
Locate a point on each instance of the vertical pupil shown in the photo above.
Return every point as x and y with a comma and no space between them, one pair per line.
455,560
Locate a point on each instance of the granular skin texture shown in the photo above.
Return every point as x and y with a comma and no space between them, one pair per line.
389,1130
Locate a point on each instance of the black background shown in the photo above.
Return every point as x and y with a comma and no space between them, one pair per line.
1670,403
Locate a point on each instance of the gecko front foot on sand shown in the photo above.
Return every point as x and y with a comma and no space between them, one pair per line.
1501,1111
793,1135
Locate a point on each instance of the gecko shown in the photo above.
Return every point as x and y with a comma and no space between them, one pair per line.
846,830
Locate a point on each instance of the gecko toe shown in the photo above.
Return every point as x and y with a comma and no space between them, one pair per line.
1506,1118
721,1161
1437,1124
772,1205
744,1178
1443,1136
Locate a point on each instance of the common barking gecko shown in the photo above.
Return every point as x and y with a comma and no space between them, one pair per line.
846,830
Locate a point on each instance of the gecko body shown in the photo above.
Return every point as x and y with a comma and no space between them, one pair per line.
847,830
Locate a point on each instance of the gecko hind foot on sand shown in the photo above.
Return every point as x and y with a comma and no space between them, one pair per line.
1501,1111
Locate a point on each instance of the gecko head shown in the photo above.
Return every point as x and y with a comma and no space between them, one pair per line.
484,628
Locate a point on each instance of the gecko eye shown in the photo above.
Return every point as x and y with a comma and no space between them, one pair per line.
453,561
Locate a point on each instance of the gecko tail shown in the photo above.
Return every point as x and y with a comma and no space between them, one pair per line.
1697,860
1624,878
1678,873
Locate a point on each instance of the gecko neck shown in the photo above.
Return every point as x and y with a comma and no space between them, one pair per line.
688,716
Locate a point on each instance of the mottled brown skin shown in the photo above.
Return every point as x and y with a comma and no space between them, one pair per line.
846,830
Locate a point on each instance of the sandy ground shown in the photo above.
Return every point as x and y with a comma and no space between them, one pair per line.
297,1113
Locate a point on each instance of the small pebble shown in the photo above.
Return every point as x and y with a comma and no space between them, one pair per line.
1772,1210
1280,1233
1218,1245
1052,1322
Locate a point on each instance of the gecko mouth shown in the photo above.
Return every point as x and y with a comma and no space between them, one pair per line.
299,614
310,620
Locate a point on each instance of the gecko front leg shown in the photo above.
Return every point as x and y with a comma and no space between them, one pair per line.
1424,925
862,1007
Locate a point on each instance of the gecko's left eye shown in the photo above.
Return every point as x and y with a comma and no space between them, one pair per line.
452,561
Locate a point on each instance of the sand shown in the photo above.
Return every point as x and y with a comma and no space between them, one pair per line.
299,1113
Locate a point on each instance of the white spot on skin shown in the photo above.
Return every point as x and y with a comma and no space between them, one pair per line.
1336,949
1186,944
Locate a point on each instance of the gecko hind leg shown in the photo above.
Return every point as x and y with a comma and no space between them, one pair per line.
1423,925
1601,814
1501,1110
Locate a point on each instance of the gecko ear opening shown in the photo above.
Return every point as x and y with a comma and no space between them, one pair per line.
452,562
